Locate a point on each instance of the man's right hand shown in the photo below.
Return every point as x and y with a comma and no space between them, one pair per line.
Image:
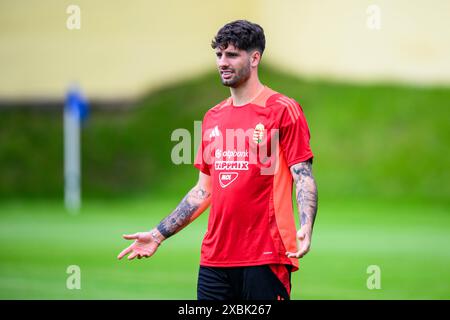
144,245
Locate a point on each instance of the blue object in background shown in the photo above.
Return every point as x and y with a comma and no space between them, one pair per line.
77,103
76,111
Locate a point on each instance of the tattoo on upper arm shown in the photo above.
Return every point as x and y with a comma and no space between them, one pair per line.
306,192
183,212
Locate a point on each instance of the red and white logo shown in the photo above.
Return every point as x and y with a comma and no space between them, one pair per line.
226,178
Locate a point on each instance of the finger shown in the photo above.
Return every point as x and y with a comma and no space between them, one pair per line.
299,254
130,236
124,253
302,253
148,254
292,254
133,255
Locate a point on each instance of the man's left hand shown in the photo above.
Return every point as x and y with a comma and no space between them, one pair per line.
304,236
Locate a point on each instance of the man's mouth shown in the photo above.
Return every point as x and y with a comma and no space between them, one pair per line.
226,74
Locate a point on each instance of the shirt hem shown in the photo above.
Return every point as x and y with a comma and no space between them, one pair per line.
247,263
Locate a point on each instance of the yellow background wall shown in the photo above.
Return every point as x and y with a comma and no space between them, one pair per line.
126,47
330,38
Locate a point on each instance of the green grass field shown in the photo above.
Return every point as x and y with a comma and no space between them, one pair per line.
408,240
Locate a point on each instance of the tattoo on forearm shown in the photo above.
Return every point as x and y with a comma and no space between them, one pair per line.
179,218
199,194
306,192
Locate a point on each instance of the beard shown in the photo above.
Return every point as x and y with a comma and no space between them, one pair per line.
238,78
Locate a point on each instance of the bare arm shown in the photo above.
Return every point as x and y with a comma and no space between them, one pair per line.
193,204
307,200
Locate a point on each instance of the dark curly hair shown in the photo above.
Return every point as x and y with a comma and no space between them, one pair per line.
242,34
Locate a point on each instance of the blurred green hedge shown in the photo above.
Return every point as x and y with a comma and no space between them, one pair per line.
379,140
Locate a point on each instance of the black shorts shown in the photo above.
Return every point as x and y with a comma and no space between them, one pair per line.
241,283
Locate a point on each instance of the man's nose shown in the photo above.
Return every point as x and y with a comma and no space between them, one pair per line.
222,62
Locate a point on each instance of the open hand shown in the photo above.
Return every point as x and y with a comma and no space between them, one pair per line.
143,246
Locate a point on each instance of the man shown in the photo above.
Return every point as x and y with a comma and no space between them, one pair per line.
255,145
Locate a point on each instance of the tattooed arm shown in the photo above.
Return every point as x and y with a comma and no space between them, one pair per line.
306,195
192,205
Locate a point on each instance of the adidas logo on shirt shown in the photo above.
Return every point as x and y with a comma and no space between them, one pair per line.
215,132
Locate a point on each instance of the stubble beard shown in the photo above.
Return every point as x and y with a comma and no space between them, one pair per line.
239,78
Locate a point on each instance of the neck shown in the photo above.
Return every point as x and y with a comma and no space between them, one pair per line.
247,91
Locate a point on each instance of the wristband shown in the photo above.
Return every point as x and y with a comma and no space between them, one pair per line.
154,237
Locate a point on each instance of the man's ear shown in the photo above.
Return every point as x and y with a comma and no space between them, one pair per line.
255,58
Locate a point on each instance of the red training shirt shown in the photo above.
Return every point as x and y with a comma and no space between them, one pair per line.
251,218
